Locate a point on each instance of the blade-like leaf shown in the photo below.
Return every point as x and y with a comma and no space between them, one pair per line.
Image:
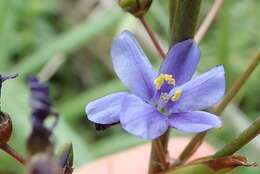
69,41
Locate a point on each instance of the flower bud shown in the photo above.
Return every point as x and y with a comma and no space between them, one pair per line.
39,141
43,163
6,127
40,137
135,7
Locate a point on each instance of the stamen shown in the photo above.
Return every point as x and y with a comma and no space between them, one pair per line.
169,79
159,81
163,77
177,95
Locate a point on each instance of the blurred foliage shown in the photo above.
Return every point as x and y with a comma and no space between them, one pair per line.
34,32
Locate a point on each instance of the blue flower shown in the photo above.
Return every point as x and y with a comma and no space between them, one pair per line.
157,101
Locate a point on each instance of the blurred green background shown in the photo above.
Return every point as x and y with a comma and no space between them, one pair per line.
67,42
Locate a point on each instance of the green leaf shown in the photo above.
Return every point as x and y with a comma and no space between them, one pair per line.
69,41
7,27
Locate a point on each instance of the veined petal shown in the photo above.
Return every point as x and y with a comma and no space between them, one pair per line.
201,92
181,61
194,122
142,119
106,109
132,66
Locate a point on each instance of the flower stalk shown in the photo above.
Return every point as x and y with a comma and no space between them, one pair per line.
183,20
158,158
196,141
245,137
237,85
10,151
161,153
208,20
152,36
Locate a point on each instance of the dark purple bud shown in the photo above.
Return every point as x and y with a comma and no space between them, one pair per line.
40,102
43,163
6,127
39,140
101,127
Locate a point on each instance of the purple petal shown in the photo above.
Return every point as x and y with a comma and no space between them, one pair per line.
132,66
106,109
194,122
181,61
142,119
201,92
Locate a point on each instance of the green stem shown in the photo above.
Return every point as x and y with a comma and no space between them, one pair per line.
237,85
183,20
197,139
245,137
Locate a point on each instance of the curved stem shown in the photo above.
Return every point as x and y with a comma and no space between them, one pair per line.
9,150
152,36
245,137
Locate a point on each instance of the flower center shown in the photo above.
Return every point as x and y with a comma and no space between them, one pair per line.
164,96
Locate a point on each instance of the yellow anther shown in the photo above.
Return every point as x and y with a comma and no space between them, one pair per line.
159,81
177,95
163,77
169,79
